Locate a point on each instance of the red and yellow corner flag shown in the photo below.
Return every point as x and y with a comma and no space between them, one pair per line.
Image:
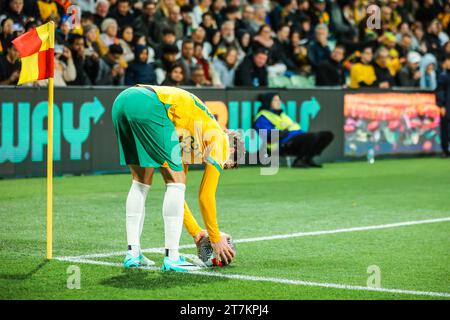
36,53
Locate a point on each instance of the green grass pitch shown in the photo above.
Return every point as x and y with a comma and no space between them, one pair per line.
413,260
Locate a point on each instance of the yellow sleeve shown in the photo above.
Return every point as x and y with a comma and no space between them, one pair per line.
207,199
189,221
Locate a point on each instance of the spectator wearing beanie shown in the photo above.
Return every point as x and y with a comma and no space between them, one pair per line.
409,75
139,71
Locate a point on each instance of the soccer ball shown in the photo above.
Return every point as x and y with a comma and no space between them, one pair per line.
206,253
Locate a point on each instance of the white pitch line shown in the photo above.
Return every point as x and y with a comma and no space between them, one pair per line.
276,280
280,236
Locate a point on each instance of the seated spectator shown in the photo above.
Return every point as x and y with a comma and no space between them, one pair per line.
248,19
282,49
217,10
7,34
362,73
252,71
393,60
9,66
111,69
173,21
403,47
198,78
225,67
432,41
146,24
245,40
428,78
263,40
101,12
259,16
198,11
62,33
331,71
93,43
86,66
299,53
122,13
109,32
292,140
175,76
209,25
318,14
384,79
15,12
319,50
126,42
187,59
409,75
208,70
139,71
282,14
64,70
168,38
228,39
187,20
443,101
199,37
167,61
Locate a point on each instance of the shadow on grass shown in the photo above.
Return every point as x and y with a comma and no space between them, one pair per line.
24,276
145,280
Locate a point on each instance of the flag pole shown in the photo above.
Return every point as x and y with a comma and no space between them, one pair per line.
50,158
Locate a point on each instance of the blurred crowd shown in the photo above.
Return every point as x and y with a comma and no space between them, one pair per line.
226,43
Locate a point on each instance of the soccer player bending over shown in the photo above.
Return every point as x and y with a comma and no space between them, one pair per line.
153,124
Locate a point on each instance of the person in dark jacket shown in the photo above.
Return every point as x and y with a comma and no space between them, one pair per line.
139,71
331,71
252,72
382,73
443,101
292,139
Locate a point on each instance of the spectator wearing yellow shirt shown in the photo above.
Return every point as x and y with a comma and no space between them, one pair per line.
362,74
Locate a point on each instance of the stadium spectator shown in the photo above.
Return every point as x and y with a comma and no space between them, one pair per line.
318,14
209,25
208,69
282,14
260,16
384,78
319,50
187,59
292,140
139,71
93,43
173,21
245,41
122,13
126,42
9,66
362,73
299,53
432,41
225,67
217,10
443,101
7,34
199,37
175,76
62,33
344,30
428,11
198,78
168,59
109,32
227,39
146,23
201,8
187,20
64,68
111,67
331,71
428,66
86,65
168,38
248,19
101,12
409,75
15,11
252,71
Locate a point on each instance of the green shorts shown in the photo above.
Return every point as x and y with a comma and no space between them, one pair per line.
145,134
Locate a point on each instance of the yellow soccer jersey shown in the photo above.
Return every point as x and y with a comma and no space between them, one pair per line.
201,137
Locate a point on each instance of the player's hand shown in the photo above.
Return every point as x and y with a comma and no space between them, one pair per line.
223,249
199,237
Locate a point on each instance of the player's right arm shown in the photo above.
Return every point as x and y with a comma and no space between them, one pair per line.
207,199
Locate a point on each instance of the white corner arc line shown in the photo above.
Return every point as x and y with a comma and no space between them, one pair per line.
275,280
280,236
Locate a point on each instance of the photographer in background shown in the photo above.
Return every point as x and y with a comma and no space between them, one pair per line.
443,101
